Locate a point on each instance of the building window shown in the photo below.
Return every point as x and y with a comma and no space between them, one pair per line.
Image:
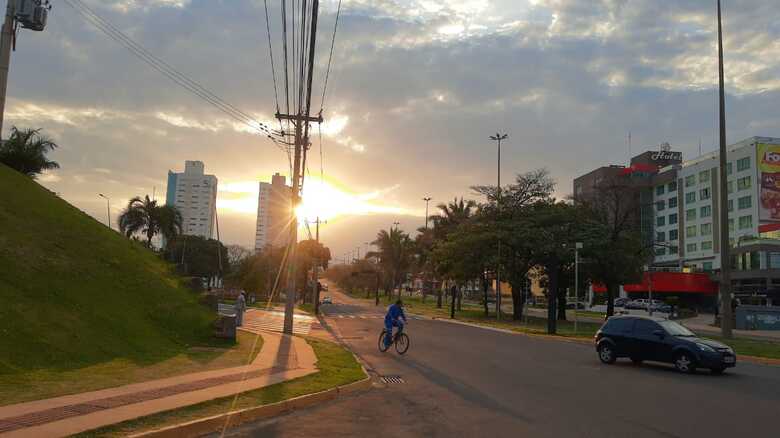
673,235
672,187
660,221
660,252
728,168
659,190
705,211
704,176
691,247
660,236
706,230
744,202
706,246
690,198
690,181
690,215
672,219
745,222
707,266
660,205
730,187
731,225
704,194
743,164
731,205
743,183
673,250
672,202
690,231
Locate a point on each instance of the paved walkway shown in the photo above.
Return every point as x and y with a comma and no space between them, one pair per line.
256,320
281,358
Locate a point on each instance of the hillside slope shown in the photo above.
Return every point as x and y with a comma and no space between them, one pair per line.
74,293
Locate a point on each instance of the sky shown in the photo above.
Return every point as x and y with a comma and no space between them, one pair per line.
416,88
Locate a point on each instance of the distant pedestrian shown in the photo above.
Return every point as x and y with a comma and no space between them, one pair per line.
240,308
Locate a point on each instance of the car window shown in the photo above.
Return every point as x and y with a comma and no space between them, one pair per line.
619,325
676,329
644,327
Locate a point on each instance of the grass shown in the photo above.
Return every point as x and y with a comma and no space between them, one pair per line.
538,325
39,384
337,367
76,295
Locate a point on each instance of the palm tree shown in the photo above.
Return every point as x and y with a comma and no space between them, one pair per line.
452,214
395,250
146,217
25,151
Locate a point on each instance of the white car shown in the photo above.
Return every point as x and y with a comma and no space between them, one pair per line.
326,300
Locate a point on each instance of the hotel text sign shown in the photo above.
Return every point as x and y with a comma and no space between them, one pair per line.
667,155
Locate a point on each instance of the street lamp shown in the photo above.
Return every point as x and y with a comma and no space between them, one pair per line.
427,199
396,224
498,138
108,208
577,248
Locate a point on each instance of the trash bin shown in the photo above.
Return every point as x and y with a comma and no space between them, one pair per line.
225,327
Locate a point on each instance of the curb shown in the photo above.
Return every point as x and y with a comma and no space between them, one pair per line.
216,423
759,360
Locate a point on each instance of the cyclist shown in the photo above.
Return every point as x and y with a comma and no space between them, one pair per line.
395,313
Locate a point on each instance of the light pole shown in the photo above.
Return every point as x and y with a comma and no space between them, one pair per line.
427,199
358,253
577,248
498,138
108,208
396,224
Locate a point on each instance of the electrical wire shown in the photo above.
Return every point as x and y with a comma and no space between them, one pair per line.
330,58
271,53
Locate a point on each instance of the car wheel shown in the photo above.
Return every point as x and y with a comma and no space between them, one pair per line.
717,371
684,362
607,354
636,360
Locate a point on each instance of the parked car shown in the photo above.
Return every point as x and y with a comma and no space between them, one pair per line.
580,306
325,287
654,339
637,304
326,300
620,302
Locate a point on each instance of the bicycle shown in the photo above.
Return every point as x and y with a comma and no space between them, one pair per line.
400,340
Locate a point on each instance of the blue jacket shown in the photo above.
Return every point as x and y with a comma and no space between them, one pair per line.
393,313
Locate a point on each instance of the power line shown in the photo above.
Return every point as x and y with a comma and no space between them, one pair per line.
330,57
271,52
167,70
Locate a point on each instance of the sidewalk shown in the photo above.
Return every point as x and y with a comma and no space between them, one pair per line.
281,358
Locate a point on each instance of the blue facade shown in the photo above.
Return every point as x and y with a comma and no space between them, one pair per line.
170,197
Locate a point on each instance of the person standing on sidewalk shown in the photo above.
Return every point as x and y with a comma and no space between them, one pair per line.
240,308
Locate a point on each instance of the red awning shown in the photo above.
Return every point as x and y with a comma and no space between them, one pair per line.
670,282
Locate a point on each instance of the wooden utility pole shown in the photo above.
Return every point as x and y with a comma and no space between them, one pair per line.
317,270
726,318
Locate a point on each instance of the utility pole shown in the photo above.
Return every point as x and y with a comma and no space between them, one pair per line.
498,138
108,208
577,248
358,253
427,199
301,122
34,19
317,270
725,259
396,224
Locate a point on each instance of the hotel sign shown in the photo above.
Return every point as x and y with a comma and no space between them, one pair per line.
666,156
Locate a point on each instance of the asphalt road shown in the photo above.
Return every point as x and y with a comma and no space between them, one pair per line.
465,381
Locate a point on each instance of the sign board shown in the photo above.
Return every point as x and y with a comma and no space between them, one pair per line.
768,158
666,156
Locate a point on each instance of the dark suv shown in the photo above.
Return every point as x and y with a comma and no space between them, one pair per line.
661,340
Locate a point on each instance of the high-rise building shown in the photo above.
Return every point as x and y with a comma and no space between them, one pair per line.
273,213
194,194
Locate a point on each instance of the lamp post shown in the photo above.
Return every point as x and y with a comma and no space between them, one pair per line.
577,248
427,199
396,224
498,138
108,208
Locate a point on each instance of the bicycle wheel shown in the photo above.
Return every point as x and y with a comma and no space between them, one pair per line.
401,343
382,346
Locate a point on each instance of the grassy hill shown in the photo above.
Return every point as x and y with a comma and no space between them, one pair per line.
75,294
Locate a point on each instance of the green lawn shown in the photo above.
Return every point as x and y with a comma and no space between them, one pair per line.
337,367
76,295
40,383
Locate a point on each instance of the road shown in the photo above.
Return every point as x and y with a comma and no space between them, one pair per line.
472,382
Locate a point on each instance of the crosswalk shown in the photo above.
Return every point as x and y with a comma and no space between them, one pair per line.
262,320
359,316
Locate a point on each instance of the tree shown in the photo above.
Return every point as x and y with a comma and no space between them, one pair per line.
450,216
236,254
199,257
611,236
395,250
144,216
25,151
